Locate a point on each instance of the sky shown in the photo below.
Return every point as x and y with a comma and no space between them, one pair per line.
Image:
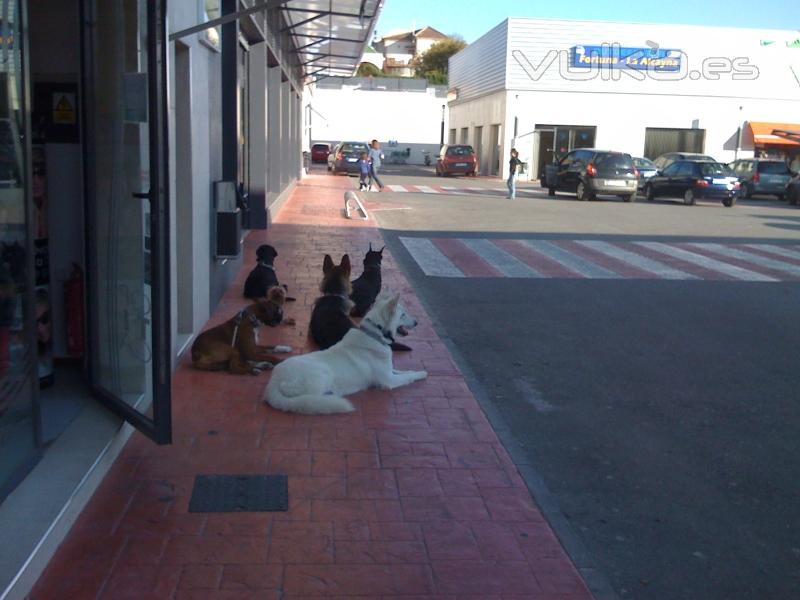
472,18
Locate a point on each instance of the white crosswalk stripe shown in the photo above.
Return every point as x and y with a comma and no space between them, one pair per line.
779,250
706,262
427,190
573,262
756,259
396,188
430,259
507,264
636,260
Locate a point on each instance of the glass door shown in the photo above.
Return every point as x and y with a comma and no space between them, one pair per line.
128,278
24,325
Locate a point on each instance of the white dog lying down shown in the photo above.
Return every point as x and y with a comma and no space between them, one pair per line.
316,383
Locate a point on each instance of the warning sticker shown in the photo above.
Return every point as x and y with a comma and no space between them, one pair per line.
64,109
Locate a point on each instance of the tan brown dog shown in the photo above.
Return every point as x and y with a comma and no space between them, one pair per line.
234,344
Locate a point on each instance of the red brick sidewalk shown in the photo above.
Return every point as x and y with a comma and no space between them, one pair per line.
410,497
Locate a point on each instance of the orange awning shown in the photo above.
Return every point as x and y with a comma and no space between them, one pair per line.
763,133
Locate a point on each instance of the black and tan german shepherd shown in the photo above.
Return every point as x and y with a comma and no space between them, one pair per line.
330,317
368,285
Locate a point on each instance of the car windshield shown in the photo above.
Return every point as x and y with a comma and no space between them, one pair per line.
643,163
459,151
714,169
613,161
773,168
348,147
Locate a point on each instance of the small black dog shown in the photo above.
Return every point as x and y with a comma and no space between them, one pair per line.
263,276
330,318
367,287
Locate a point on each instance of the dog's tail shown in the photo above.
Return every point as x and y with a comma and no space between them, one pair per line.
309,404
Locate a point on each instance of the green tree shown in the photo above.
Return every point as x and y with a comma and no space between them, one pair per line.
432,65
366,69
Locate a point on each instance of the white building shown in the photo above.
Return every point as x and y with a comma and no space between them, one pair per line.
407,116
645,89
400,48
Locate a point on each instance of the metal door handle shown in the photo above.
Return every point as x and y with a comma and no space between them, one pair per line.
141,195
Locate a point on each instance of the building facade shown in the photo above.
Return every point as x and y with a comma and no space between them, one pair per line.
364,108
141,139
400,48
547,86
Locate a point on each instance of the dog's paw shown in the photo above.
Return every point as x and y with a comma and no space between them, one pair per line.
282,348
420,375
261,365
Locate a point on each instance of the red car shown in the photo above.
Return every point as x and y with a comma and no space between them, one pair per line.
319,153
456,159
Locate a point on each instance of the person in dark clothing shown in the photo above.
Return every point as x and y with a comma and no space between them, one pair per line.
513,168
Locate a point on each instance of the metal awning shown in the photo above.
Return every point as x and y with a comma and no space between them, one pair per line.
329,36
793,135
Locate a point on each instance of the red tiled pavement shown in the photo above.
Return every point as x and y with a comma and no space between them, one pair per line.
411,496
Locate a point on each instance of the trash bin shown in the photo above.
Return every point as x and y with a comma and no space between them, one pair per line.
229,220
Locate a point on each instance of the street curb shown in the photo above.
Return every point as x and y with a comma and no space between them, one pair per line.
594,578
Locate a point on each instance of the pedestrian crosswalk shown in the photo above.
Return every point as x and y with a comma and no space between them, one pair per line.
455,190
602,259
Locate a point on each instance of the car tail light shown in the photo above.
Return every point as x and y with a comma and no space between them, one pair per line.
701,183
756,177
591,170
636,173
736,185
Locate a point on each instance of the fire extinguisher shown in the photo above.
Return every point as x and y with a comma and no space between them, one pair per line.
74,311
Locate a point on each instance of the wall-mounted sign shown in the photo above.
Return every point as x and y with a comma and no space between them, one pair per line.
614,56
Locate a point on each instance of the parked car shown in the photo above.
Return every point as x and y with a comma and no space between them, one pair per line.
320,152
692,180
344,157
762,176
665,160
456,159
646,168
588,172
793,190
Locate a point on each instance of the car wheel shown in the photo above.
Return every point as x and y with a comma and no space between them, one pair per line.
551,191
781,197
730,201
582,193
688,197
649,194
629,198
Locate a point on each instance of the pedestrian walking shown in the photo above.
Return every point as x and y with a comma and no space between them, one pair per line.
513,168
364,171
376,158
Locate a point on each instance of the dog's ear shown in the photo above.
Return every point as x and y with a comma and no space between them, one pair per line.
370,247
381,250
391,304
345,264
327,264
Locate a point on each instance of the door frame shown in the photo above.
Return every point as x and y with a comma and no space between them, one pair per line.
159,427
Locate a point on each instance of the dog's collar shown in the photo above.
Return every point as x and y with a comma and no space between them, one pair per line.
377,332
270,267
342,296
244,314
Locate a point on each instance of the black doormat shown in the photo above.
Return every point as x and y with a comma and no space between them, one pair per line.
239,493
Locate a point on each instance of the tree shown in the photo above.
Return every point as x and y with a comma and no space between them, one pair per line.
432,65
366,69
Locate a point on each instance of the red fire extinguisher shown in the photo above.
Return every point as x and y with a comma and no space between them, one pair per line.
74,311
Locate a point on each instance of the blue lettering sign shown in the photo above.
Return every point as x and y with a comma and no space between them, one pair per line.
613,56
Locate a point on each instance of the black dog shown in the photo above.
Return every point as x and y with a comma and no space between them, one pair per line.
367,287
263,276
330,318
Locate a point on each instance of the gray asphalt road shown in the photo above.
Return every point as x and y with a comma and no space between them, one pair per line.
662,415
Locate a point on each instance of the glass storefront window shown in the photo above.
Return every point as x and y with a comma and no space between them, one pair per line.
17,351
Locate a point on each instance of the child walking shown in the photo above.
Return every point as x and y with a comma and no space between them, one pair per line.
364,170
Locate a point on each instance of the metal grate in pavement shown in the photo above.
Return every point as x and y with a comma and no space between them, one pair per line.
239,493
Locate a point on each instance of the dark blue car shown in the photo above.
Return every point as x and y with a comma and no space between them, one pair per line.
692,180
